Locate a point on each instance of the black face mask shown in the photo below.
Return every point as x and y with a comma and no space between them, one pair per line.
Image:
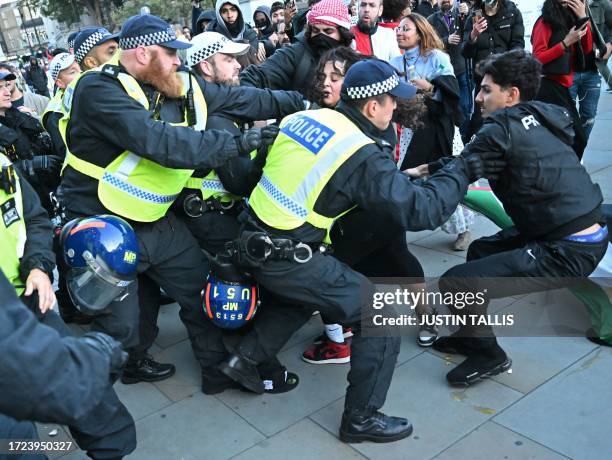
261,24
321,43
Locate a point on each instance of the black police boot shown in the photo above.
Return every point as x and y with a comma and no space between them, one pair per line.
214,381
371,425
481,363
146,370
243,371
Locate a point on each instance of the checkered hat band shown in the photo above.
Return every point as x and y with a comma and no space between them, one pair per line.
71,44
155,38
381,87
88,44
204,53
55,71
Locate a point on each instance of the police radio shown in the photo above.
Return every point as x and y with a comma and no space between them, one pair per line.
191,117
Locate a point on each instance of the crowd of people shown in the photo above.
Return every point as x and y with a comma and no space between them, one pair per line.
294,149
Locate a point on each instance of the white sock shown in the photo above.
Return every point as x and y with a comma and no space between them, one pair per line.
334,333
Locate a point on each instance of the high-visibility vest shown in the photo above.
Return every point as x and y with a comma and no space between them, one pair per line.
131,186
54,106
12,232
309,149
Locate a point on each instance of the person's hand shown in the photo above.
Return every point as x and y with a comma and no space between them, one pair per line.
577,7
608,52
574,36
454,39
274,38
479,27
29,111
423,84
463,8
484,164
261,52
418,172
46,163
255,138
290,12
109,347
39,281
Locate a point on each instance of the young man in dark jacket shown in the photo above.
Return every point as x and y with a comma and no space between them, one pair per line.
559,232
37,78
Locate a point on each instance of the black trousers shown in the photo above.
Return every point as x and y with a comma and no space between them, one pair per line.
108,431
339,293
525,266
554,93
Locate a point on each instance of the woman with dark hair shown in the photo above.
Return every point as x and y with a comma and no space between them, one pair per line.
562,37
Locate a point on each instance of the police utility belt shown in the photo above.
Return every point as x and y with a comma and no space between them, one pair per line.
252,249
195,206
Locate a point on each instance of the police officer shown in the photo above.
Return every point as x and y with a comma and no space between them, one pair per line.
81,394
94,46
322,164
27,145
131,149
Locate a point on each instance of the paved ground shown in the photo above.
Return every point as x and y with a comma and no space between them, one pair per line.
555,404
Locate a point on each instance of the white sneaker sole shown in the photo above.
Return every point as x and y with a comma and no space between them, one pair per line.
328,361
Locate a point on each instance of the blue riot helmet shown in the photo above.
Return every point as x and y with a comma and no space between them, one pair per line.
102,256
230,297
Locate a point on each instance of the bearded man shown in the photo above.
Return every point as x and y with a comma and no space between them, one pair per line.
134,135
370,39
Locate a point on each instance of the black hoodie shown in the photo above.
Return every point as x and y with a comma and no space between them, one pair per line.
544,188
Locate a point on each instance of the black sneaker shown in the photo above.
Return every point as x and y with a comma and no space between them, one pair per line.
481,364
280,381
375,426
146,370
594,337
453,345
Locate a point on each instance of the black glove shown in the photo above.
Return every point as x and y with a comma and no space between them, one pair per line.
49,164
484,164
110,347
255,138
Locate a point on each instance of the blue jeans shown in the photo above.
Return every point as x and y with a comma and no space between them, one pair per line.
587,87
465,101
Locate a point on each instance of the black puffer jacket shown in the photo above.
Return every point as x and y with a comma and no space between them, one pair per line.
505,31
289,68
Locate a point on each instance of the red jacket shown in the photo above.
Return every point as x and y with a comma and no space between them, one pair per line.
541,36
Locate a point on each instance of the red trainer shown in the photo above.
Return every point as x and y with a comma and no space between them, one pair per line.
328,352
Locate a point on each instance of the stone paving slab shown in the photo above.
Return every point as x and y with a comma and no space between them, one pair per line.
491,441
171,328
571,413
199,427
302,441
441,415
435,262
187,380
141,399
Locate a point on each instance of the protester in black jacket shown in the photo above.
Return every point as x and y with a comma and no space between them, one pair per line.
230,22
449,23
559,231
37,78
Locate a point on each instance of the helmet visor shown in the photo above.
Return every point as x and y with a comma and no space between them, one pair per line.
92,288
